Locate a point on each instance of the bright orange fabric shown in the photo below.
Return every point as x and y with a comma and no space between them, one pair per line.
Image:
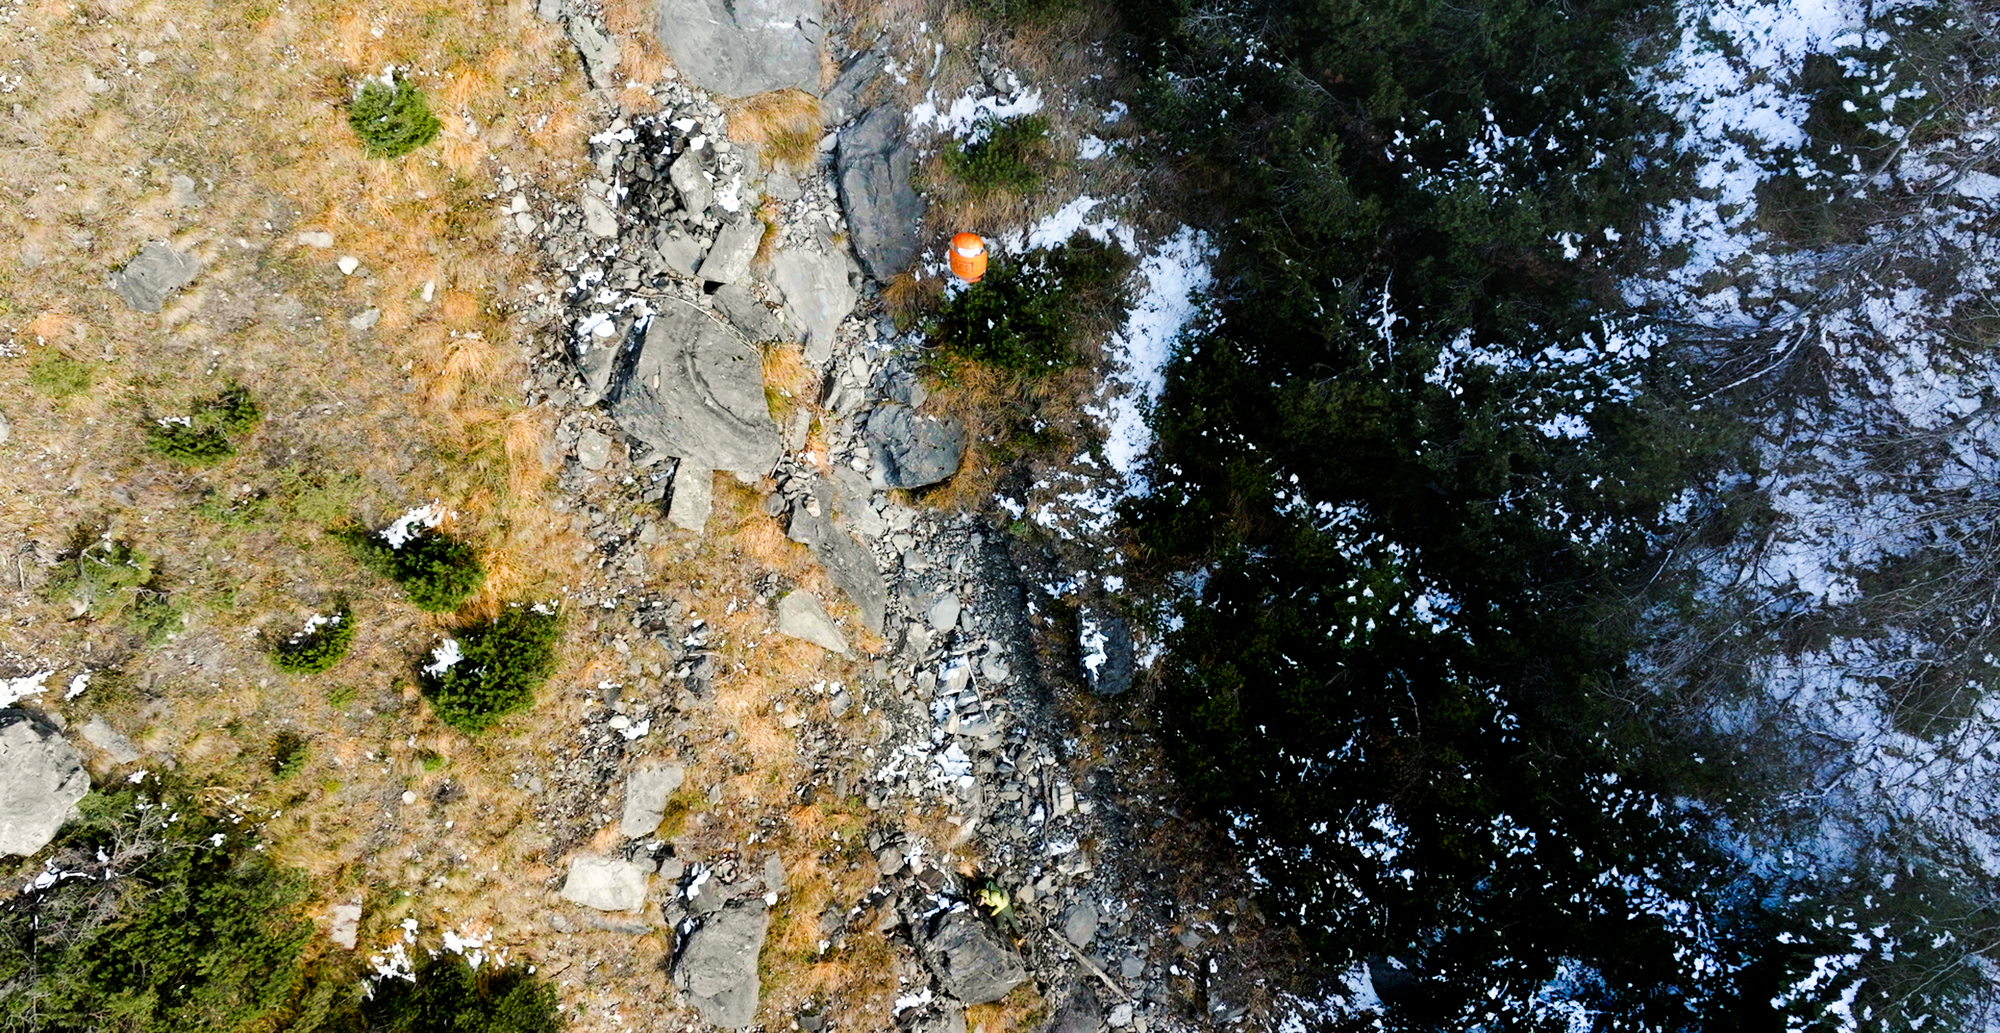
968,257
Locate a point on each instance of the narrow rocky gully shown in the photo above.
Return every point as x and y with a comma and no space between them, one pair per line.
975,693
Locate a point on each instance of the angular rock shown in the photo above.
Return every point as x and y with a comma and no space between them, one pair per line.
695,391
884,212
345,926
728,259
679,251
801,616
6,429
365,319
593,449
99,733
1108,659
694,494
742,47
817,292
718,966
912,450
606,883
646,793
943,614
598,217
600,52
41,779
749,315
853,569
156,272
1080,1014
1079,923
943,1016
843,99
970,961
691,182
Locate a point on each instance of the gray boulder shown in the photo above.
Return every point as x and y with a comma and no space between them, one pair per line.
728,259
690,180
1080,1014
694,496
606,883
99,733
598,218
600,52
41,779
970,961
742,47
844,98
912,450
646,793
1079,923
817,292
679,251
801,616
746,313
158,271
884,212
695,391
718,965
851,567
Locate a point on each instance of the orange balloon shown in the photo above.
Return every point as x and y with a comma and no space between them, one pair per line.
968,257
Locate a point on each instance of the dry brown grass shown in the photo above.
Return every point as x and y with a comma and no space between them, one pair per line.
784,126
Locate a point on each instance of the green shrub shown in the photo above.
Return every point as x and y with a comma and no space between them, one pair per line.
322,643
449,996
492,669
101,577
176,923
437,571
289,753
155,616
316,496
56,374
202,437
1032,317
1006,156
391,117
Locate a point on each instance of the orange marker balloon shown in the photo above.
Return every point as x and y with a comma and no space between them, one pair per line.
968,257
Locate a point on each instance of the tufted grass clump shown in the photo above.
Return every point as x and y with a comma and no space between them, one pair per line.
320,644
1005,157
203,436
390,117
437,571
58,374
492,669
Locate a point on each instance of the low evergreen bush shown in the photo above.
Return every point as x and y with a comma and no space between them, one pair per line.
202,437
437,571
1030,317
1005,156
391,118
491,670
322,643
450,996
289,753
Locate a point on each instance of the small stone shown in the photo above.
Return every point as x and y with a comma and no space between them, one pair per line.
1121,1015
1079,923
316,238
6,429
348,264
606,883
593,449
409,797
524,222
1190,939
943,614
157,271
147,57
1132,966
366,319
598,217
694,494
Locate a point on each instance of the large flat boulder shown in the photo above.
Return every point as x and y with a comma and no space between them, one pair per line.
912,450
849,565
41,779
606,883
646,792
801,616
742,47
884,212
718,967
157,271
695,391
817,293
970,961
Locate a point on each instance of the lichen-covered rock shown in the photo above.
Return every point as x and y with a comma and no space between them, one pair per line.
718,967
742,47
695,391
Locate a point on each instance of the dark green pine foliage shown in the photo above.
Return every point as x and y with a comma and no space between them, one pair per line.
392,119
437,571
448,996
504,661
1029,317
204,436
310,651
1393,685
